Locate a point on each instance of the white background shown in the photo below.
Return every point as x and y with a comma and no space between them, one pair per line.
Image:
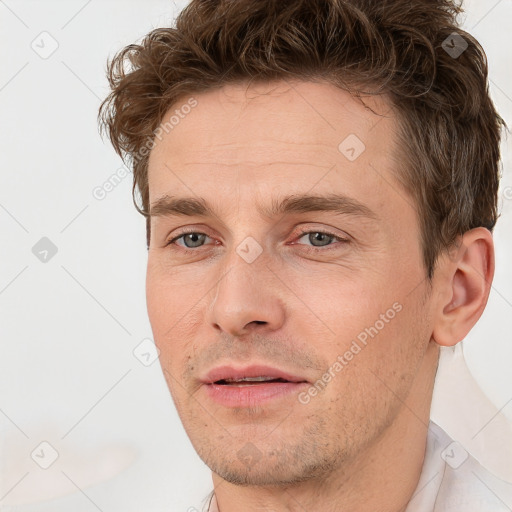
69,326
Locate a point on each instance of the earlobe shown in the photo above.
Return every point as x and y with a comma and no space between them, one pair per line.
466,278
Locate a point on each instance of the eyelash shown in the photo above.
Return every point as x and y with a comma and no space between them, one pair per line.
300,235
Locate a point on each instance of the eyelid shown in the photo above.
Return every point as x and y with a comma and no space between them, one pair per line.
326,231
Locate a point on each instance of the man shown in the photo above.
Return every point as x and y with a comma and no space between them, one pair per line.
319,179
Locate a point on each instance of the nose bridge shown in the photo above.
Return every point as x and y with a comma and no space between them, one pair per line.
247,292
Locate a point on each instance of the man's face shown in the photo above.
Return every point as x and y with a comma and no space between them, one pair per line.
332,305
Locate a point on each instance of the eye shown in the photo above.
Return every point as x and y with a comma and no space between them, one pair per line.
316,239
190,239
320,238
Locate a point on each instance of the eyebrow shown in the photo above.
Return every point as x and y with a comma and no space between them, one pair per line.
338,203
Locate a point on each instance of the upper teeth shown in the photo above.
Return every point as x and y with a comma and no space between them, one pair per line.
251,379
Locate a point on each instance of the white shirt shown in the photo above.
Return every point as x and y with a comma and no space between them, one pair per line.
452,480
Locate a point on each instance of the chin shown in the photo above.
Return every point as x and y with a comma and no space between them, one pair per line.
264,477
283,467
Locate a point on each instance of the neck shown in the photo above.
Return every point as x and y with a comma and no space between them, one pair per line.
381,478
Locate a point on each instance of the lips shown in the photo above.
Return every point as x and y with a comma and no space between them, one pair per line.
248,381
251,375
251,386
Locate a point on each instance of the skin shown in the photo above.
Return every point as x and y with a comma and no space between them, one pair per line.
359,443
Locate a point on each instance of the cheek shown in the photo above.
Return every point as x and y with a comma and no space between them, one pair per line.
173,303
375,322
171,292
346,303
374,360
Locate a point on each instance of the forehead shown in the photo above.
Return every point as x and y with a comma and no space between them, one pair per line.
262,114
267,137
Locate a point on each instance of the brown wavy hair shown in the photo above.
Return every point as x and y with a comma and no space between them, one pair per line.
449,129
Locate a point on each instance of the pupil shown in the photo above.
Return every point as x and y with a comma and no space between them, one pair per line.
317,237
195,238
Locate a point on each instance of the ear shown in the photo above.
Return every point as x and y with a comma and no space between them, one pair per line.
465,278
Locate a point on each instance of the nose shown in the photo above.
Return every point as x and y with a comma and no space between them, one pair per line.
248,297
